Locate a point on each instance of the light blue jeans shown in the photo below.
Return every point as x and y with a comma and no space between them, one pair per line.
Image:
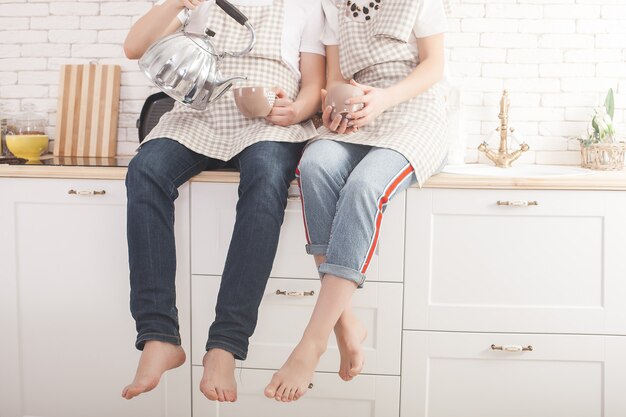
345,190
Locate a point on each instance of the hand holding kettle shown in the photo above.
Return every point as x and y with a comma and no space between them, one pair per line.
185,65
160,21
189,4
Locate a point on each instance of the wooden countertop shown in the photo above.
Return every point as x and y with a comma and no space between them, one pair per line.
597,180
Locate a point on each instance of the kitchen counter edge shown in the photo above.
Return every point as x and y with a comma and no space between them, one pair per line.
600,180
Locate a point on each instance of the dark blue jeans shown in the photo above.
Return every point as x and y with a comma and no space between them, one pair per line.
154,175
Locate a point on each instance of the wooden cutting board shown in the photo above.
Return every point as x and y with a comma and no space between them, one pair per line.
88,110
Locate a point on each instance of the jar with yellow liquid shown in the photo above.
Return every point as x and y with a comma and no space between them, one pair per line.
26,136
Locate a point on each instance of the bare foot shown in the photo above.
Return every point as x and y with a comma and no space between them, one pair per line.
292,380
218,381
350,333
156,358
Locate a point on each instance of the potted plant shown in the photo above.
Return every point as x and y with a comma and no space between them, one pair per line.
599,149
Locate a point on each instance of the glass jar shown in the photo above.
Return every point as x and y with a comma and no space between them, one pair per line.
4,151
27,123
26,136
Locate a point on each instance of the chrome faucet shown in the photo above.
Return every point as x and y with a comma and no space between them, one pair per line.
503,158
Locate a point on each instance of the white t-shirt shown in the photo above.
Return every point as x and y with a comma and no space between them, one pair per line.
302,27
431,20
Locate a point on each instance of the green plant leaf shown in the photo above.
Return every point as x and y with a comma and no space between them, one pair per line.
609,103
595,126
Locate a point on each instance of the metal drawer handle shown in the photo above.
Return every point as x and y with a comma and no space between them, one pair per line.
296,293
87,192
512,348
518,203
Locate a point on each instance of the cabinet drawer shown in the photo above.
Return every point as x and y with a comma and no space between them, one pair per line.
460,375
365,396
554,267
70,192
282,320
213,218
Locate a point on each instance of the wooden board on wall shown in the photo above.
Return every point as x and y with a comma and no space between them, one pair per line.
88,110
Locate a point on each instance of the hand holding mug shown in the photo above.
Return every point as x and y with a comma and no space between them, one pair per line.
336,116
375,101
285,111
339,124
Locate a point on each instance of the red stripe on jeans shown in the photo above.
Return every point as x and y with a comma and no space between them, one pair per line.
306,229
384,199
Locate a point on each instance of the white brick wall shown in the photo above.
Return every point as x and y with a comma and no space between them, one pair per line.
556,57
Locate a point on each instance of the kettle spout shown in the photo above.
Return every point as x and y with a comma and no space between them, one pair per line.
231,79
223,85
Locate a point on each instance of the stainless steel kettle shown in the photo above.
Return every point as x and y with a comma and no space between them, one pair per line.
186,66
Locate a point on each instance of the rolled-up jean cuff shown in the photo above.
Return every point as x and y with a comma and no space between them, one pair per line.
146,337
312,249
343,272
228,347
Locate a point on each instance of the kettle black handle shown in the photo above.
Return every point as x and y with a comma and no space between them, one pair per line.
232,11
236,14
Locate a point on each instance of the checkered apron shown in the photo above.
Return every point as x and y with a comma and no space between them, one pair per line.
221,131
376,53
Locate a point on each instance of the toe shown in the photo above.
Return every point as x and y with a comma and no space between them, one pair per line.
300,393
343,375
142,385
220,395
355,371
292,394
270,390
209,392
280,391
344,371
132,392
230,396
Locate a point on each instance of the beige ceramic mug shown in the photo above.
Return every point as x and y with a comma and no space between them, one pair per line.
254,101
337,96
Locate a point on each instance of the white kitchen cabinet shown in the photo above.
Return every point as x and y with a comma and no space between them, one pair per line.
471,274
282,319
213,218
461,375
365,396
553,267
67,333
